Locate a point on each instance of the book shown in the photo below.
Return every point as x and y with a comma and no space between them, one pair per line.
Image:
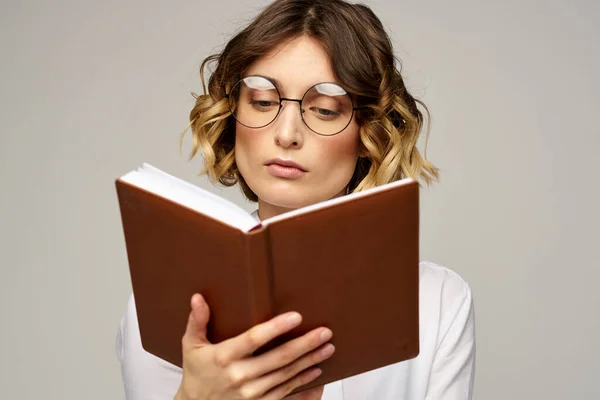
350,263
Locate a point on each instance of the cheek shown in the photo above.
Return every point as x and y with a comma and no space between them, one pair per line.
243,139
340,149
248,145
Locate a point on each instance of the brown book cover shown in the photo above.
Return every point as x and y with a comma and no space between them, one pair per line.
351,264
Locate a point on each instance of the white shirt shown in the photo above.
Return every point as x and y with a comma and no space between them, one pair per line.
444,368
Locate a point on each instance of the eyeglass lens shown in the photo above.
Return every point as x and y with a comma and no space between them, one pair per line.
326,107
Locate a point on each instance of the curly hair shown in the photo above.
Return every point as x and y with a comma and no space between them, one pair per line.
363,61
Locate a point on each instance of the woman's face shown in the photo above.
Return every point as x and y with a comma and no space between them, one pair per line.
327,162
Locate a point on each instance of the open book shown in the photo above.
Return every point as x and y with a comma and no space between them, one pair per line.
349,263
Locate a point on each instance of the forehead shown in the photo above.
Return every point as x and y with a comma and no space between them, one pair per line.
297,65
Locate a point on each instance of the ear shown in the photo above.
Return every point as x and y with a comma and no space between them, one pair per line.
363,152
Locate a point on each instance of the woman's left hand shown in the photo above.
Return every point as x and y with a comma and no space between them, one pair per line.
310,394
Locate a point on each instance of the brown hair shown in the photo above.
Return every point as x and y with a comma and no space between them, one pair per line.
363,61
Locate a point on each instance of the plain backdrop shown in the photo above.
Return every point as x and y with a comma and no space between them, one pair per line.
90,89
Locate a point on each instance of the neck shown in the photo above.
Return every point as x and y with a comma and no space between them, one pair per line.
266,210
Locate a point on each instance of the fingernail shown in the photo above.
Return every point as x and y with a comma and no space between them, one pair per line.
293,319
328,350
196,297
315,373
326,334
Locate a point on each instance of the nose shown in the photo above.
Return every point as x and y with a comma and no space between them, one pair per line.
289,126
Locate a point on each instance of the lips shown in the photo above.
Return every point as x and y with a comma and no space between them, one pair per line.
287,169
285,163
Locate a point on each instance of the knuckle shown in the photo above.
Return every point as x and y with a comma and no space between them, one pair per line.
248,392
236,377
221,359
253,337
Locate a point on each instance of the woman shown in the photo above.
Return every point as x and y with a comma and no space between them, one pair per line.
306,104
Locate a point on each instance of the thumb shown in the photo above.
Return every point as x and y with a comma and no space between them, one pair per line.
195,331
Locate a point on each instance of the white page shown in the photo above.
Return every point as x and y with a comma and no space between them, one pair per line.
172,188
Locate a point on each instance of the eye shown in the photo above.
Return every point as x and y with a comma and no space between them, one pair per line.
324,113
264,105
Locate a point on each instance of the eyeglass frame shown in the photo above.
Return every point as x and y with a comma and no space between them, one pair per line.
299,101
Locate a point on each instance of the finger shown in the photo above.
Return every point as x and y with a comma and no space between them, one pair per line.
195,331
311,394
283,355
286,388
267,382
248,342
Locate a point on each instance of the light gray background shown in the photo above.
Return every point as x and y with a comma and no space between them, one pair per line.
88,90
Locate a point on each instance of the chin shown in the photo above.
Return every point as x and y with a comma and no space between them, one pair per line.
290,199
293,195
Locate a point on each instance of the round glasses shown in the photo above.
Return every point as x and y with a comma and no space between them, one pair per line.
326,108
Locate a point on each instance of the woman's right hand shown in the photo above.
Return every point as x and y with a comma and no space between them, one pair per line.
228,370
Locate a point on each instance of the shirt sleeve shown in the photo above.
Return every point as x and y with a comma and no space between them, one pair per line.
119,342
145,376
453,370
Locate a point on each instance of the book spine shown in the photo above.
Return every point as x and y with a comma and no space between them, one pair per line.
260,275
